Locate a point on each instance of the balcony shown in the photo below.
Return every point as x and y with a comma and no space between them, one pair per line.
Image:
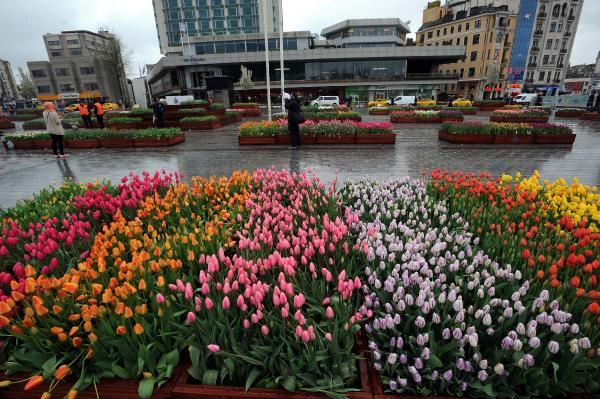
542,15
556,80
538,32
532,64
568,34
563,51
535,49
507,45
571,18
560,66
431,76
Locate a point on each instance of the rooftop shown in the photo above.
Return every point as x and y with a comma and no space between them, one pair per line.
473,12
365,22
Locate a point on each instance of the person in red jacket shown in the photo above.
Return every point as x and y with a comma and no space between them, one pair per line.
99,111
84,112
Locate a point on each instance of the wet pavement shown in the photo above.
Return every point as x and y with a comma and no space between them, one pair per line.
417,149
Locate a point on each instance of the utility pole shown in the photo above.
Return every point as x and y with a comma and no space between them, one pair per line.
281,55
267,61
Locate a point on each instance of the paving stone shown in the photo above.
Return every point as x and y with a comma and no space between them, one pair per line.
417,149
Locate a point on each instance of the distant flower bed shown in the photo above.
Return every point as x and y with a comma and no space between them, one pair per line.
244,105
506,133
310,128
124,120
192,110
417,116
569,112
208,118
489,103
519,115
141,111
194,102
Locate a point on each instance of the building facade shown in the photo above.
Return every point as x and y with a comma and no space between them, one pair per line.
81,65
364,58
552,41
8,85
487,32
179,20
522,43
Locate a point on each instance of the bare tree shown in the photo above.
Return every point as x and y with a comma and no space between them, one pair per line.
27,87
246,82
117,60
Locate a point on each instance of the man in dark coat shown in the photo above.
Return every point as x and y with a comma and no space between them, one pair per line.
295,118
158,109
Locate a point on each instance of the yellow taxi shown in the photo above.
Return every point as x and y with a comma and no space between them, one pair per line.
71,108
425,102
380,102
462,102
110,107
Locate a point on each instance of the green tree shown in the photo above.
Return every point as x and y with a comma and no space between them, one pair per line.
27,88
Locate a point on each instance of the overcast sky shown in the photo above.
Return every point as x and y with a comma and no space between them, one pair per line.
23,22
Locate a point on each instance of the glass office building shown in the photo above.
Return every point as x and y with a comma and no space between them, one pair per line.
520,51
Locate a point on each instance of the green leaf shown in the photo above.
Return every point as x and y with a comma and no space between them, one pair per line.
555,366
146,388
251,378
230,365
120,371
210,377
435,361
49,365
172,357
289,383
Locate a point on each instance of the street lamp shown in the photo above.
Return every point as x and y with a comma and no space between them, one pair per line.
281,55
267,60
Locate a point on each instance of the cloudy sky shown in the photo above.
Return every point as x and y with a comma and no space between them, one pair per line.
22,23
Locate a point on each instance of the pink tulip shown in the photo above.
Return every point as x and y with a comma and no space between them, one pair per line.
213,348
189,291
328,337
264,330
285,313
299,301
191,317
208,303
329,312
246,324
160,298
226,304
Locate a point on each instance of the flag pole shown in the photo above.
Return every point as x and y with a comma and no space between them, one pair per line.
281,55
267,60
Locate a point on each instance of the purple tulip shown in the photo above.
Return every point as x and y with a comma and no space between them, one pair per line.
528,360
553,347
457,334
482,375
534,342
448,375
420,322
446,333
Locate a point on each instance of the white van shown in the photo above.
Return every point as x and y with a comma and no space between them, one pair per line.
404,100
326,101
526,99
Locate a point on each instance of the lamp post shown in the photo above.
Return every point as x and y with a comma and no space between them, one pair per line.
265,5
281,55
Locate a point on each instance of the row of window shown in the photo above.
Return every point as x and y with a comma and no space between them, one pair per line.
174,39
548,60
477,25
192,28
68,87
41,73
244,46
73,42
203,3
212,13
72,52
559,11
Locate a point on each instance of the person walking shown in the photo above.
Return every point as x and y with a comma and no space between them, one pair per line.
295,118
55,129
84,112
99,111
158,109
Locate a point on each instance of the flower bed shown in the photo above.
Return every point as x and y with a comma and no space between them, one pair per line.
591,116
6,123
200,122
125,123
505,133
546,110
247,112
489,105
419,116
95,138
569,112
326,132
245,105
519,116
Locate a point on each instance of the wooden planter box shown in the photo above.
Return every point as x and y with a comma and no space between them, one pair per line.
43,144
176,116
116,142
285,139
591,116
514,139
344,139
249,140
470,112
200,125
176,139
251,112
555,138
376,138
87,143
490,108
24,117
123,126
215,112
416,120
7,125
453,119
150,142
466,138
519,120
228,120
24,144
562,114
34,127
379,112
308,139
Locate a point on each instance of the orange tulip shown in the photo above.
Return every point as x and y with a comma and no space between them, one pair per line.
77,341
93,337
3,321
4,308
34,382
62,372
142,285
121,330
56,330
138,329
73,331
540,275
62,337
72,394
46,395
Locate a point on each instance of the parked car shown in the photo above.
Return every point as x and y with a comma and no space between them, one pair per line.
462,102
525,98
71,108
404,100
425,102
326,101
111,106
380,102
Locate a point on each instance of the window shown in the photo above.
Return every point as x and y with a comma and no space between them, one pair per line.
75,52
56,53
542,75
467,25
189,14
458,41
53,42
476,39
459,28
218,12
73,42
87,70
219,24
39,73
437,34
233,12
204,26
249,23
560,28
553,27
452,29
548,44
429,35
466,40
230,2
445,31
473,55
462,72
91,86
545,60
67,87
62,71
44,89
234,23
556,42
471,72
188,3
555,13
553,59
477,24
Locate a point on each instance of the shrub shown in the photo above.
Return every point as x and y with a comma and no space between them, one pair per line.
208,118
217,106
192,110
141,111
124,120
194,102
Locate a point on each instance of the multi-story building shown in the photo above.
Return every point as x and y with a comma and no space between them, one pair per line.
179,20
361,58
81,64
487,32
8,85
552,41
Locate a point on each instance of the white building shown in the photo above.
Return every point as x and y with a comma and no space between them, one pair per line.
8,85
